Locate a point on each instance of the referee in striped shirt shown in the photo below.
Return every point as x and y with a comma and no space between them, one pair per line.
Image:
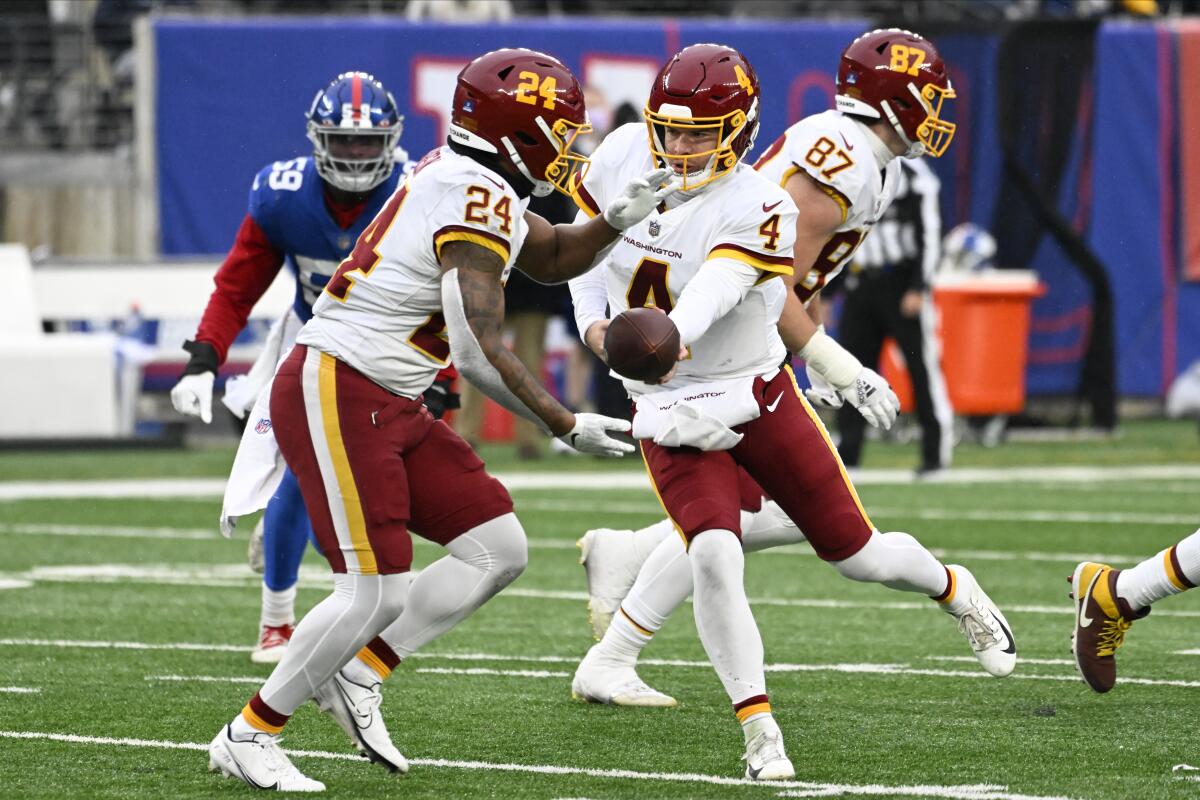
887,295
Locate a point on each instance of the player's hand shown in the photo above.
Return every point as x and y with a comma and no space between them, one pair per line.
821,394
873,398
193,395
593,337
439,398
591,435
639,197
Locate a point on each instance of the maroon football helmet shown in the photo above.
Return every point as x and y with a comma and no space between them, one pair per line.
704,87
898,76
526,108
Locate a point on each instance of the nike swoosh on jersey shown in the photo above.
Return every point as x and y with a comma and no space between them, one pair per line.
848,145
767,208
775,402
495,182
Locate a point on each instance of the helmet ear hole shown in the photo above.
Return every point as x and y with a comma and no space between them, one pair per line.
525,139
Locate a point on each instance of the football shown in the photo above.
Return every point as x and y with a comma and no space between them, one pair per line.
642,344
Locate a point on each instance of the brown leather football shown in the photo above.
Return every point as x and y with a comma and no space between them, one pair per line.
642,344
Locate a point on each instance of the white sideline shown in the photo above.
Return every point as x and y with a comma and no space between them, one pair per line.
603,481
805,788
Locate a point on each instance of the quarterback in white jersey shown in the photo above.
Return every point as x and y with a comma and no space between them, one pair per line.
423,284
780,444
741,223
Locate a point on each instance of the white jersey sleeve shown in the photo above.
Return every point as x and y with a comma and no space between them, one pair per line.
381,312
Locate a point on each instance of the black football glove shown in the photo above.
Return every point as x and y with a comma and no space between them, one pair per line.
439,399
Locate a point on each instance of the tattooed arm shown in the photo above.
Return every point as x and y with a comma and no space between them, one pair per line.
479,271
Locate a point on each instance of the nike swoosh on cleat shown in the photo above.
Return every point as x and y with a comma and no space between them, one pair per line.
767,208
774,403
753,773
574,436
1084,619
1012,643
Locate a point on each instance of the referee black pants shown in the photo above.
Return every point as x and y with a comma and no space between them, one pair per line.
871,313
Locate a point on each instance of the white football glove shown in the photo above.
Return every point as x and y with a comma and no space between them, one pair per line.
193,395
873,398
639,197
821,394
590,435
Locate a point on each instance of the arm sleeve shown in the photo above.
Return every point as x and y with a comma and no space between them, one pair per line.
719,285
243,278
469,356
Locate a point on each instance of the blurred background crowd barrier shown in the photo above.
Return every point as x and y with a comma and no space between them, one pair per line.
130,131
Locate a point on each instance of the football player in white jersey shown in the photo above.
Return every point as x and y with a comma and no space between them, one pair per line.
803,463
424,281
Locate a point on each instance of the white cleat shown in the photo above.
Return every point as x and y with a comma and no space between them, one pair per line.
255,556
599,681
765,758
980,621
257,762
611,562
355,707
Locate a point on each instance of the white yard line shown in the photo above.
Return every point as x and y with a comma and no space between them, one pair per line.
147,488
236,575
20,690
804,788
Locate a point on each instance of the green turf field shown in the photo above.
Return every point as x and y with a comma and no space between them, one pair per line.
126,624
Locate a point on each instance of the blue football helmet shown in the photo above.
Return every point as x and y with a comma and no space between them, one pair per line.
354,127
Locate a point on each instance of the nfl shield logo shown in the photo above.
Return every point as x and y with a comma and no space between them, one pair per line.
344,243
654,227
468,107
263,426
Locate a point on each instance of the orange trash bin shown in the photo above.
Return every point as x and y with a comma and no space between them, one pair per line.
984,321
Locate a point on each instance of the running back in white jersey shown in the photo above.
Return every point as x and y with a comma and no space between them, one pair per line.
741,217
381,312
833,149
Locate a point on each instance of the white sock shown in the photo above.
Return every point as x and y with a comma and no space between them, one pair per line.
331,633
768,527
623,641
727,628
898,561
482,561
1172,571
278,607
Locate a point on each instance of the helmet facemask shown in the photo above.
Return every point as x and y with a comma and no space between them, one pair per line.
566,169
700,169
932,135
355,175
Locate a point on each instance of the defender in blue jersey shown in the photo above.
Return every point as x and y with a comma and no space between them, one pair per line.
306,213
